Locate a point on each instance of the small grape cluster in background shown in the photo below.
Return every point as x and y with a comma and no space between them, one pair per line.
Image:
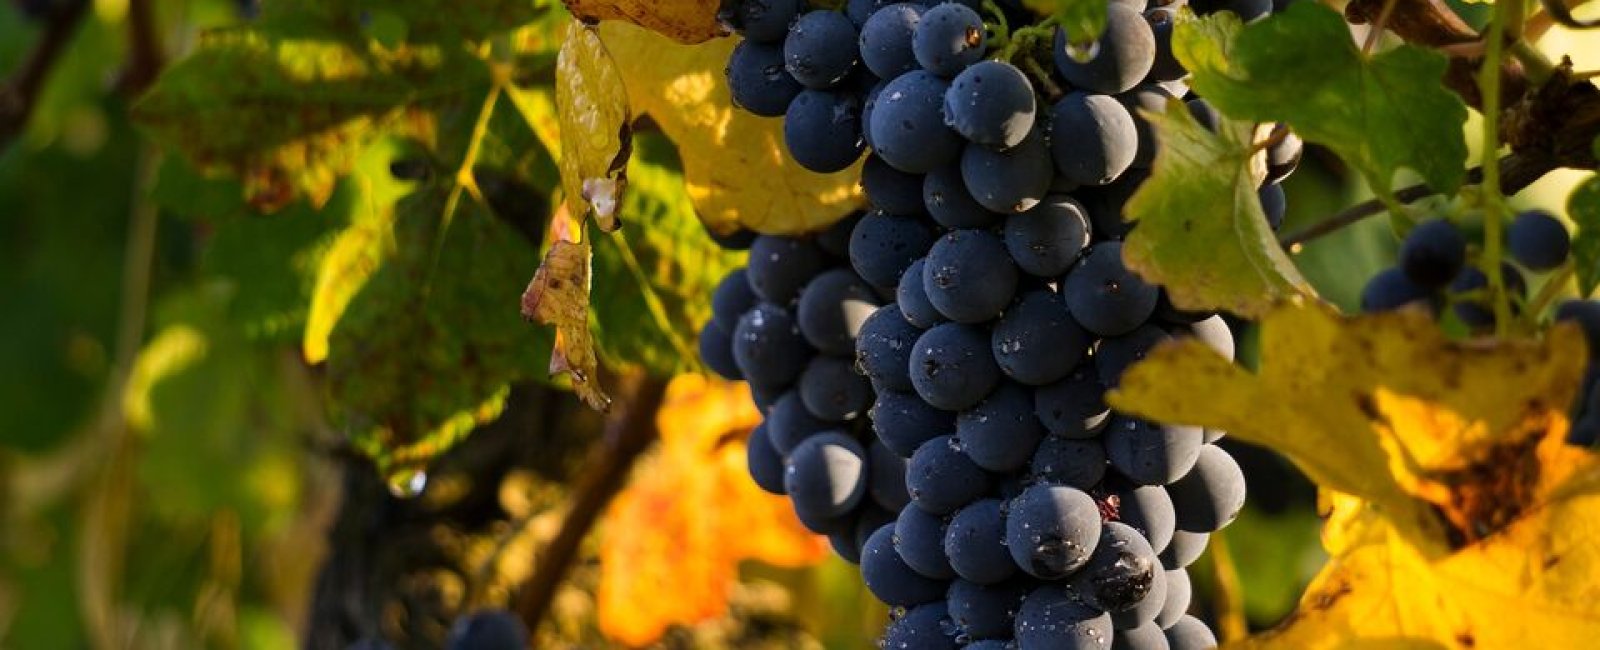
933,371
1433,270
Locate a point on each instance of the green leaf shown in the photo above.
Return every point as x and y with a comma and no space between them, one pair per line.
1083,20
427,347
289,114
1584,208
1379,113
652,277
1201,231
416,21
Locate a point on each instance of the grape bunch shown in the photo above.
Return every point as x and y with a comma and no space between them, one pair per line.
932,371
1434,271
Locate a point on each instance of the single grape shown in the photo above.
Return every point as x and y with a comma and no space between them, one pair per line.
903,421
886,480
1179,592
731,299
1284,156
1074,407
1036,341
950,37
1166,66
735,239
924,626
941,478
949,202
1171,315
716,351
1148,509
822,130
991,103
975,542
1064,461
1586,315
1046,240
1104,296
765,21
1054,618
1213,332
790,423
951,367
1210,495
1538,240
758,81
493,629
919,539
1190,634
1274,204
969,276
767,346
890,189
1001,432
986,611
831,389
1184,549
1391,289
1052,530
1204,113
886,39
1477,313
766,465
1433,253
1123,54
833,307
1009,181
912,297
780,266
1094,139
820,49
907,126
1145,637
826,475
1151,454
1123,577
883,245
883,351
1114,355
1150,98
889,578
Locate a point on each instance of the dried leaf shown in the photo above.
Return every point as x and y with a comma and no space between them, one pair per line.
686,21
559,296
1456,499
734,162
690,515
595,126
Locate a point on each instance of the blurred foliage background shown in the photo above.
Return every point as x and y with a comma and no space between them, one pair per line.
223,404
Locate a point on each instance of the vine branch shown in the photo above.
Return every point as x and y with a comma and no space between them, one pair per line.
629,432
20,92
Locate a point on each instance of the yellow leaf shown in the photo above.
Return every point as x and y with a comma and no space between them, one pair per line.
559,296
733,162
1459,516
596,139
673,539
687,21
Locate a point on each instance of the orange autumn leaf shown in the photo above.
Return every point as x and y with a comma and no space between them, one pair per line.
672,541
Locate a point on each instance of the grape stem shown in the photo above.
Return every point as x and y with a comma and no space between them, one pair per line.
1507,14
1052,91
1553,288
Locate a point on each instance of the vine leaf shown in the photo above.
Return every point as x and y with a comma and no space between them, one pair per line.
1201,231
1584,208
596,131
1083,20
689,516
734,163
1379,113
1456,496
685,21
559,296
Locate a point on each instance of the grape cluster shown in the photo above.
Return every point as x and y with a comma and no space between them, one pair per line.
1433,271
990,496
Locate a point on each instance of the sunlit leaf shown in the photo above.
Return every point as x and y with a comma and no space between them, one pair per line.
596,137
1380,112
1083,20
559,296
686,21
1456,495
689,516
1201,231
734,162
